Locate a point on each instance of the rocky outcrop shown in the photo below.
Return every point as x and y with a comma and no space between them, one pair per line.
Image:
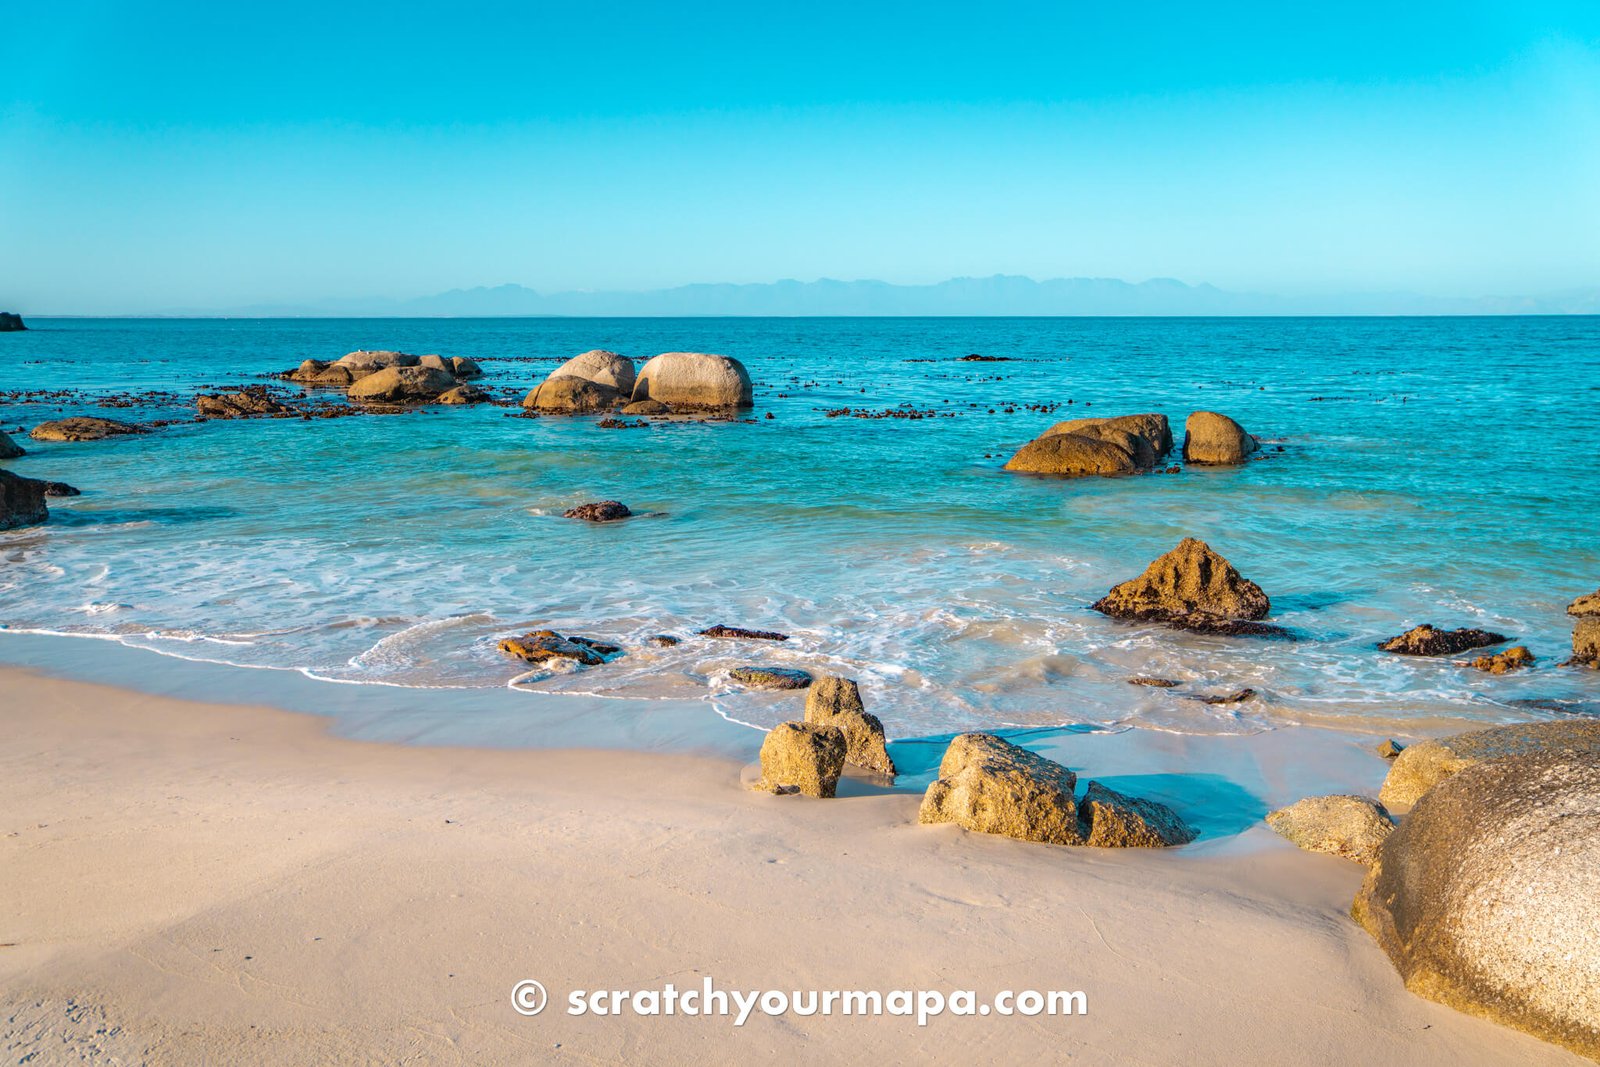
646,407
402,385
251,401
9,449
1586,631
989,785
740,633
465,368
10,322
601,367
1420,767
568,395
1425,640
321,372
463,394
1110,819
836,701
83,428
21,501
1351,827
1210,438
1192,588
542,646
770,677
598,511
1510,660
1073,455
802,757
694,381
1484,898
1153,428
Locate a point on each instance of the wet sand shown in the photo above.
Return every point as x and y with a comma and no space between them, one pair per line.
183,882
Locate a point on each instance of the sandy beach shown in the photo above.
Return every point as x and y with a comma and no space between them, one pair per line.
184,883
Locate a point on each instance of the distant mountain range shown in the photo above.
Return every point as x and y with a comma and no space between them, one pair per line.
997,295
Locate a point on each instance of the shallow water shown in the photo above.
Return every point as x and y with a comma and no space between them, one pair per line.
1431,470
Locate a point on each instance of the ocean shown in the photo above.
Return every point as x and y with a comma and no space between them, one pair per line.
1414,470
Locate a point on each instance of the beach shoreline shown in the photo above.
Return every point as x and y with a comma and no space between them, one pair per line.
187,881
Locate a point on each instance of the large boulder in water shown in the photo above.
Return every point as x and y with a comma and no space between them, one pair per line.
1420,767
1072,455
9,449
1216,439
836,701
601,367
402,385
989,785
1429,640
1186,587
83,428
21,501
379,359
694,381
320,372
1152,427
10,322
569,395
804,757
1485,897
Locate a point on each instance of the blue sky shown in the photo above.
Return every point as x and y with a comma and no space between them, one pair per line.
157,155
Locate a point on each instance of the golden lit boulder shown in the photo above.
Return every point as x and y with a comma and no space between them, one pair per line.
694,381
1110,819
566,394
1350,827
83,428
1152,427
1072,455
989,785
802,757
402,385
1420,767
836,701
602,368
1212,438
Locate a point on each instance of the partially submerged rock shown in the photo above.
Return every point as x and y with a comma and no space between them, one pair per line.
770,677
664,640
1485,897
402,385
10,322
804,757
1348,826
598,511
379,359
1153,428
1210,438
464,368
567,394
740,633
1192,588
83,428
646,407
60,489
1426,640
1586,631
601,367
694,381
542,646
9,449
836,701
1154,683
251,401
989,785
21,501
1510,660
1115,820
1072,455
321,372
1422,766
463,394
1237,696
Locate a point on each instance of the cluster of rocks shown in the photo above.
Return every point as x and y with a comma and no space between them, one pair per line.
1128,444
10,322
391,378
671,383
809,755
250,402
541,647
1193,588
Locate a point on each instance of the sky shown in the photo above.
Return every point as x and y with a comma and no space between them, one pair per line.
156,155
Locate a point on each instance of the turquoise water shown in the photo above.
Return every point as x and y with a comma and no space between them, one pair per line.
1431,470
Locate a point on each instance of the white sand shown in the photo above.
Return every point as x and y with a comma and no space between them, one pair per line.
184,883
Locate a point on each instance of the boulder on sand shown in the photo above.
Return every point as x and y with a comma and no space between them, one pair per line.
1426,640
803,757
402,385
1216,439
836,701
694,381
989,785
602,368
1192,588
1347,826
1485,897
1110,819
9,449
569,395
1152,427
1072,455
1420,767
21,501
83,428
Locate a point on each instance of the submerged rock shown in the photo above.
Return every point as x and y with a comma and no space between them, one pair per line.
1425,640
9,449
10,322
463,394
598,511
1484,898
60,489
991,786
1419,767
1238,696
83,428
1348,826
804,757
601,367
541,646
1154,683
402,385
1072,455
1192,588
646,407
565,394
21,501
1153,428
1115,820
694,381
1510,660
254,400
836,701
1210,438
770,677
739,633
664,640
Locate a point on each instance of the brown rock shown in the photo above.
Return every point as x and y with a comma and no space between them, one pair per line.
1156,683
402,385
1116,820
598,511
254,400
991,786
1585,606
1152,427
1586,642
571,395
1238,696
664,640
836,701
1510,660
1425,640
1189,580
1350,827
770,677
740,633
1216,439
802,757
82,428
1421,766
694,381
646,407
463,394
1390,749
319,372
1072,455
541,646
